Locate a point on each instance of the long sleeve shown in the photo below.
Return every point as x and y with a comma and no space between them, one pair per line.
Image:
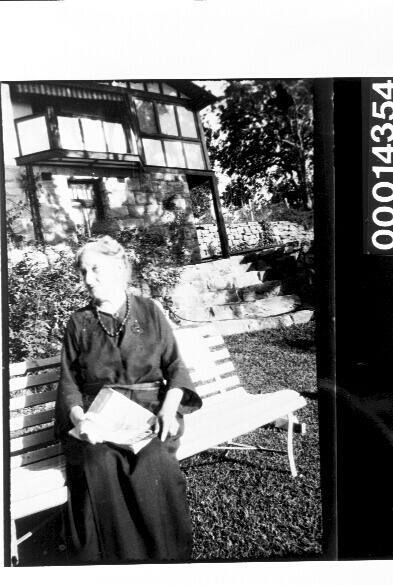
174,369
68,394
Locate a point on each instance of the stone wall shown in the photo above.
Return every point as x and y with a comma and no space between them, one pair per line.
249,235
135,199
241,236
287,231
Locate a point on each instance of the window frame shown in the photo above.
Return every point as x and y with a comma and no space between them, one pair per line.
160,134
45,115
171,137
131,147
128,142
144,82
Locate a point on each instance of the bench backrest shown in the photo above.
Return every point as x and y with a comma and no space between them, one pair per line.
33,386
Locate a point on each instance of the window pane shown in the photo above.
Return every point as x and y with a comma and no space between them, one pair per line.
168,89
33,135
70,133
84,191
174,154
187,122
146,118
166,114
115,137
119,83
153,87
153,152
194,156
137,85
93,135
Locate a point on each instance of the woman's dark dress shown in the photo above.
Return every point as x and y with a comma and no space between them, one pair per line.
124,506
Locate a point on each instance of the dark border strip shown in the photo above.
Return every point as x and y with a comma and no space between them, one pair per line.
4,357
325,306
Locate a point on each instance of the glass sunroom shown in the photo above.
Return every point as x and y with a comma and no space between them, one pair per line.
149,123
126,134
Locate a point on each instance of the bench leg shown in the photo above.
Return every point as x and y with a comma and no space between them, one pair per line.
291,458
14,545
282,423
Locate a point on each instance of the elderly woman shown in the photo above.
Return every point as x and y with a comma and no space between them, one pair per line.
123,506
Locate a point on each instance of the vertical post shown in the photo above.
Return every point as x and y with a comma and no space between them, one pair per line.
291,458
131,110
53,127
325,309
222,232
14,545
203,141
31,191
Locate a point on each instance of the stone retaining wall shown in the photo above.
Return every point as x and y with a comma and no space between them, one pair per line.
241,236
249,235
287,231
140,198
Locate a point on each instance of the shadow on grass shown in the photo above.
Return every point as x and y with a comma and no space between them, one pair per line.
308,394
298,337
227,459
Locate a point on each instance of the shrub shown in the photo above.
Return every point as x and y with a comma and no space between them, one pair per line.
157,254
41,298
44,289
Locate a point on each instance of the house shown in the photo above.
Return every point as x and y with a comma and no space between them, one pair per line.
96,156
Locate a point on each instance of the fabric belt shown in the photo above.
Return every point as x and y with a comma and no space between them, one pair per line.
147,394
95,387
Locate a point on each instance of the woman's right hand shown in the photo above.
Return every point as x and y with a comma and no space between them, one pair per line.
76,415
88,431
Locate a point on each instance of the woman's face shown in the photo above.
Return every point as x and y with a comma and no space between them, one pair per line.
103,275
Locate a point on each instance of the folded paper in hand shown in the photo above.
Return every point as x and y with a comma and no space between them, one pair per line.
119,420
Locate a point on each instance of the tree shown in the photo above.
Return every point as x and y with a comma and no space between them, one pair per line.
265,141
201,198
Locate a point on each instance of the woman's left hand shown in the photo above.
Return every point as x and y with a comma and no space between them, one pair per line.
166,423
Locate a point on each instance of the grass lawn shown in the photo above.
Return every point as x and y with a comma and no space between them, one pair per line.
246,505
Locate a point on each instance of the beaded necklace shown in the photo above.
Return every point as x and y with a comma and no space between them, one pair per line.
120,328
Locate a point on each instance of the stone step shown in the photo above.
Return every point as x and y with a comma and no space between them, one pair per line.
261,308
248,279
219,297
260,291
240,263
237,326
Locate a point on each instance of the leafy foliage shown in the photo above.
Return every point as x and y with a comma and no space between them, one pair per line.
201,197
13,213
157,254
45,290
41,298
265,141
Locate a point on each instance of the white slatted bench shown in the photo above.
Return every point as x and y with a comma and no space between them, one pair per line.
38,480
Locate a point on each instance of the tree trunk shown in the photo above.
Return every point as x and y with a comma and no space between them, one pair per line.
305,193
301,166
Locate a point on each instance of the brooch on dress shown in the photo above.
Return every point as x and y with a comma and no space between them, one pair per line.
135,327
